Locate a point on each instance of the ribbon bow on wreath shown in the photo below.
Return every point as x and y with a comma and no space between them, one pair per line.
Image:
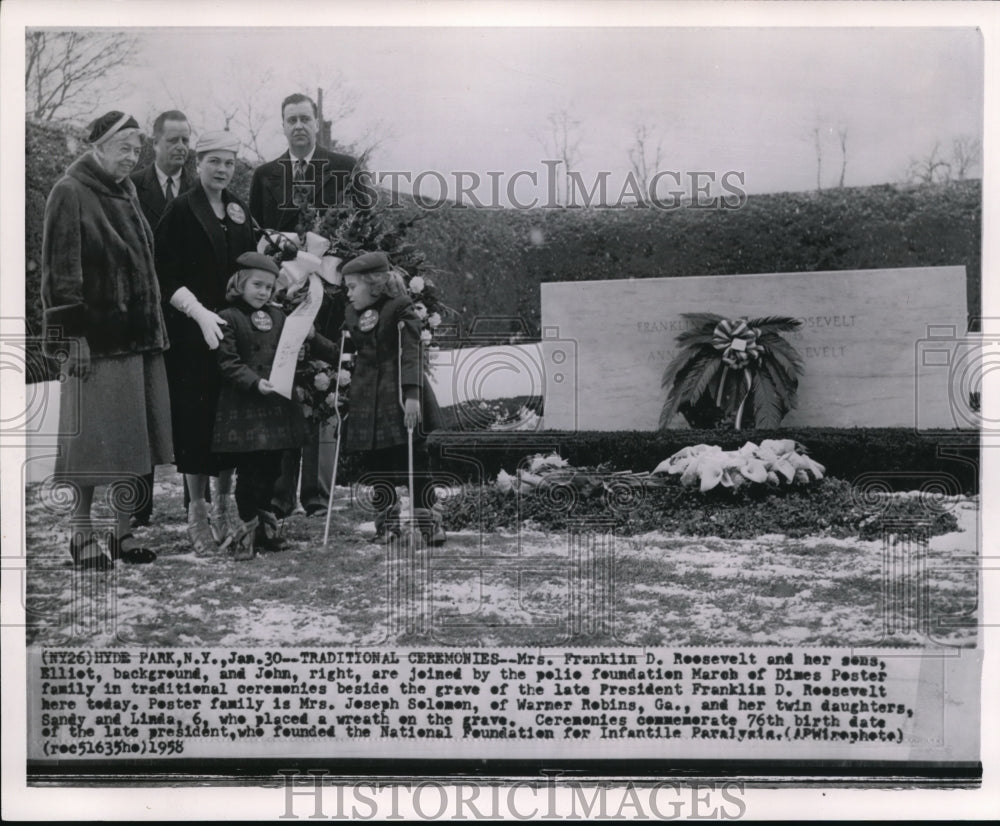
738,341
726,366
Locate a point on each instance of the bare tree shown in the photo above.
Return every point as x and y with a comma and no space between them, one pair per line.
562,142
645,161
822,135
375,137
336,100
62,70
929,169
966,154
251,117
842,134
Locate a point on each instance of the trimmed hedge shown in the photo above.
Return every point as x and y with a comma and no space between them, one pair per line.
493,262
490,263
873,458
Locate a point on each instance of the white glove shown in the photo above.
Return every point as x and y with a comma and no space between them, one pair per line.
208,321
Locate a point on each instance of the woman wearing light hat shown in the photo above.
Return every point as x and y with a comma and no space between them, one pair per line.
202,233
104,324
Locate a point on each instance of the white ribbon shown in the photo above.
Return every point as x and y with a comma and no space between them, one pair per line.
293,334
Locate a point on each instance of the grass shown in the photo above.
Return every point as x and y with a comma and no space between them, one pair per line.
500,588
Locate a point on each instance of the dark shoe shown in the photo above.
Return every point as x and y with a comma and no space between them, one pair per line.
131,556
314,509
269,519
430,525
267,534
88,555
268,542
386,536
242,546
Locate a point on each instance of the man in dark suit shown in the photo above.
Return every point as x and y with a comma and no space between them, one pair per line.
306,174
155,185
165,178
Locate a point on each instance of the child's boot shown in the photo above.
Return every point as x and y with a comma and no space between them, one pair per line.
438,536
430,523
242,546
386,525
224,520
268,536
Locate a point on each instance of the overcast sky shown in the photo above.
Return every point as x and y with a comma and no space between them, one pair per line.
478,99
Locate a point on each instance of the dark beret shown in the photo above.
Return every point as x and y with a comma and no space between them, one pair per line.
365,263
258,261
109,124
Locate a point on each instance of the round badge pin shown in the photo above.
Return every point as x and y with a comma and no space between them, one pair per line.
368,320
262,321
236,213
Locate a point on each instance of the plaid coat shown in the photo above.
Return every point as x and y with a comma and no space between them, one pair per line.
375,415
245,420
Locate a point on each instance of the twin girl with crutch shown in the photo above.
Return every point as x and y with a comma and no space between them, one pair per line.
391,408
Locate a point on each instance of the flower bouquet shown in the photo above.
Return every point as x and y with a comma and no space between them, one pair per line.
321,388
358,226
775,462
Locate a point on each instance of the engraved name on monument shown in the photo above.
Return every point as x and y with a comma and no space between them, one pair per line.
860,342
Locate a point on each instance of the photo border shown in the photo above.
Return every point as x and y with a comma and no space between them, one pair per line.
141,803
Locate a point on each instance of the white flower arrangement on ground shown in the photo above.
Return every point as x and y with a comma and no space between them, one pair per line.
774,462
543,471
526,419
538,467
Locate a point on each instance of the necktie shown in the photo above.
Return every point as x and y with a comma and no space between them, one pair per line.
170,190
300,192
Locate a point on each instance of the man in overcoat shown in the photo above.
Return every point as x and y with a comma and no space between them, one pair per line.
311,175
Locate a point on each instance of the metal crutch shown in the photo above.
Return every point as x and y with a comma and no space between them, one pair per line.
409,436
336,450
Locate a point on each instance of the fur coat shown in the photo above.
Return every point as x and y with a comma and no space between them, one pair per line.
98,275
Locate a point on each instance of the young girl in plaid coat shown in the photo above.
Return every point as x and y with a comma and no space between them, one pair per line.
388,393
253,424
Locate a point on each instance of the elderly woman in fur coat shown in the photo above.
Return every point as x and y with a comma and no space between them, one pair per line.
104,324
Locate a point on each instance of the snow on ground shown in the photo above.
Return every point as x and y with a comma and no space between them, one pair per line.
530,587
